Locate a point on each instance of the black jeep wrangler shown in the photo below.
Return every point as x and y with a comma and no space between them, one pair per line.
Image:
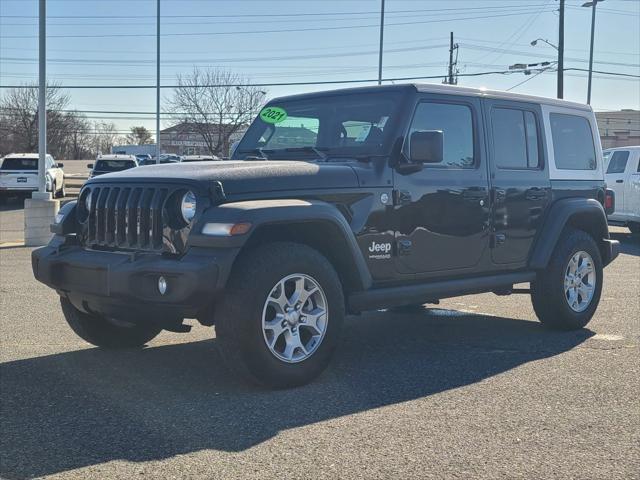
335,203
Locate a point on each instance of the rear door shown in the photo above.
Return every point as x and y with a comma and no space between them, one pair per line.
520,185
616,176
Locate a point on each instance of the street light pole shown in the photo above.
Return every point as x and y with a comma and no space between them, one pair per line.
42,98
158,82
381,42
591,4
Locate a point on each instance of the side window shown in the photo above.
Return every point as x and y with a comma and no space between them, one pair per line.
618,162
456,123
515,138
573,146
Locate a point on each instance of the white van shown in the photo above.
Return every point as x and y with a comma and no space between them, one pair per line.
623,177
19,174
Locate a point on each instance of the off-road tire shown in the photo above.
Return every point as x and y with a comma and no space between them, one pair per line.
238,317
548,292
101,332
634,227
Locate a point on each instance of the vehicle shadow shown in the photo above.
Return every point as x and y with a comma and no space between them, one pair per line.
88,407
629,242
12,203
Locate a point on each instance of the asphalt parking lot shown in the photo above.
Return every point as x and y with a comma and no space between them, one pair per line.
472,388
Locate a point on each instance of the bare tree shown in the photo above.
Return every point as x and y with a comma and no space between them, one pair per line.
103,137
139,136
19,118
215,104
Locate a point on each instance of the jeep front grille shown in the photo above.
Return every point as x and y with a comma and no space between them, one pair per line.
126,217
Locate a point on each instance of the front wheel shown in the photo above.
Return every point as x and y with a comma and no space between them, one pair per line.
565,295
104,332
280,319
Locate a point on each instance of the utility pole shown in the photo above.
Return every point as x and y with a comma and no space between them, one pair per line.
42,98
381,42
591,4
158,82
452,64
561,51
40,210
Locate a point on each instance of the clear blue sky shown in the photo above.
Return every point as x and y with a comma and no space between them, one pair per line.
113,42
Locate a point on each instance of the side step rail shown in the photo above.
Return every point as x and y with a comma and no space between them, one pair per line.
386,297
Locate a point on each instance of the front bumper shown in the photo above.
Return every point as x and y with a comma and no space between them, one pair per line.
125,285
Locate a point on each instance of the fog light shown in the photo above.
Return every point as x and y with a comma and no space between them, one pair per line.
162,285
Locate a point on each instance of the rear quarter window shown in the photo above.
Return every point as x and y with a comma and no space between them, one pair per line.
573,145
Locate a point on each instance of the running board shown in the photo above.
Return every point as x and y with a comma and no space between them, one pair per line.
424,292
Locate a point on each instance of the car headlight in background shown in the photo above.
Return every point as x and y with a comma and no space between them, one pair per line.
188,206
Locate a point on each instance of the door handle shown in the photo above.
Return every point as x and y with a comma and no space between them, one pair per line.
619,181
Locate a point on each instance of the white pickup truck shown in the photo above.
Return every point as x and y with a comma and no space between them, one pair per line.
623,177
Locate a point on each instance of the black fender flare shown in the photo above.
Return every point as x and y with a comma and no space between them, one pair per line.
586,212
261,213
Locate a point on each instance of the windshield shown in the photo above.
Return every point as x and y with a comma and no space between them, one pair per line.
114,165
19,164
354,124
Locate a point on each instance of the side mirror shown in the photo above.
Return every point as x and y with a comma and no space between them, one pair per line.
90,166
59,165
426,146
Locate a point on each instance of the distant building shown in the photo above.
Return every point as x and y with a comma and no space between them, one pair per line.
148,149
184,139
619,128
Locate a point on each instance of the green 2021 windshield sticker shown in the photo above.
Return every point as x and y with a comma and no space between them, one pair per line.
273,114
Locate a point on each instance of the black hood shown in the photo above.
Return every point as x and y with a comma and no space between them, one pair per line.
247,176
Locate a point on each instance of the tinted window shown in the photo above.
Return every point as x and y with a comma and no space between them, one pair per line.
20,164
114,165
572,142
618,162
456,124
515,138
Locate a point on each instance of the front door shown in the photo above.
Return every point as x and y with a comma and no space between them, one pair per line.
616,176
441,213
521,188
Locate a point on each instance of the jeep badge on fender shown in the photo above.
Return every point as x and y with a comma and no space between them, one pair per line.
336,203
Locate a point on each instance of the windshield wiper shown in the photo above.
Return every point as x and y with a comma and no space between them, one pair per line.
260,151
319,151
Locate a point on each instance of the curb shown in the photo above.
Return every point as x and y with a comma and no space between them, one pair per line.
12,244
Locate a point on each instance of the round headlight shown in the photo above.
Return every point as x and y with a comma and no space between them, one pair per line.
188,206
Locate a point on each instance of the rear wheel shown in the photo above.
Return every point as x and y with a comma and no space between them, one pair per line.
634,227
280,319
565,295
104,332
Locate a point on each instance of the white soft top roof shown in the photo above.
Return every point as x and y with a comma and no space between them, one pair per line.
497,94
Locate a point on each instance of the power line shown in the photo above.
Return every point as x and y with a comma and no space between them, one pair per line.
322,82
297,14
246,32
